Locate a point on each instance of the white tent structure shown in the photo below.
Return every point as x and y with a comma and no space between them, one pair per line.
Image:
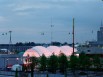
16,66
38,51
54,50
42,50
31,53
67,50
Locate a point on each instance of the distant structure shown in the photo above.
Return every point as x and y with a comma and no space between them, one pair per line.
100,35
93,47
51,31
10,41
99,41
73,36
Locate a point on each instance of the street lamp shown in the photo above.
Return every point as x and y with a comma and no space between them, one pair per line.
73,36
7,61
7,66
10,42
51,32
17,60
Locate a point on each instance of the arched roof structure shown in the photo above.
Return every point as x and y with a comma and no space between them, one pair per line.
42,50
31,53
38,51
54,49
67,50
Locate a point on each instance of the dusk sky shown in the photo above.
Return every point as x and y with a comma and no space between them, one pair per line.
28,19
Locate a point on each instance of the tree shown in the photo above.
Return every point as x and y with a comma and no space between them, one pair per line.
82,60
16,73
43,62
63,63
34,62
88,63
96,62
47,75
53,63
73,63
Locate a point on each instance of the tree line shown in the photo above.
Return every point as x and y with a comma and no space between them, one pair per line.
62,63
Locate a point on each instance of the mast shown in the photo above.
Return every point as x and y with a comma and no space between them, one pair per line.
10,41
101,24
51,31
73,36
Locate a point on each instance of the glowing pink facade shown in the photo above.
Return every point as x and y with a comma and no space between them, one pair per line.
42,50
67,50
54,50
38,51
31,53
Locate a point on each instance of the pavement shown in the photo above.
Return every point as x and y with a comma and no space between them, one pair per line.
91,74
5,76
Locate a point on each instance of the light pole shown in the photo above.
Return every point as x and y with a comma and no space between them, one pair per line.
7,61
10,41
7,66
17,59
73,36
51,32
4,63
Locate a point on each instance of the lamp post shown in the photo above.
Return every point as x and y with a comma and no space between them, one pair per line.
7,66
17,59
10,41
73,36
51,32
7,61
4,63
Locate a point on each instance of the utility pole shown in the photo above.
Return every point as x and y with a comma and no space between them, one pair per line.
101,24
10,41
51,32
73,36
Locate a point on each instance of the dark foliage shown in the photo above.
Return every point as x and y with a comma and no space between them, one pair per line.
53,63
63,63
43,62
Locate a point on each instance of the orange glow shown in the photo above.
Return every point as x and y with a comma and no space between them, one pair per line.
31,53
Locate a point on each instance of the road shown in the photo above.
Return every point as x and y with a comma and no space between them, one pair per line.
5,76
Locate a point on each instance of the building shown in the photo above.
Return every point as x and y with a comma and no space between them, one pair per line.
100,36
10,59
14,47
48,51
93,47
99,41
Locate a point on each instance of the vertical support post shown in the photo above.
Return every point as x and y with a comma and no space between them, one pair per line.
10,41
51,32
73,36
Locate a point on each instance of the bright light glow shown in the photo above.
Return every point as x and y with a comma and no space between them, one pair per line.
67,50
31,53
42,50
54,49
38,51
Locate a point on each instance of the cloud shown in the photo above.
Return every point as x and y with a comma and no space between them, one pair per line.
22,13
34,16
27,6
44,4
2,19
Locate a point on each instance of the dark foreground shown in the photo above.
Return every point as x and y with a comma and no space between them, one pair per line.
41,74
